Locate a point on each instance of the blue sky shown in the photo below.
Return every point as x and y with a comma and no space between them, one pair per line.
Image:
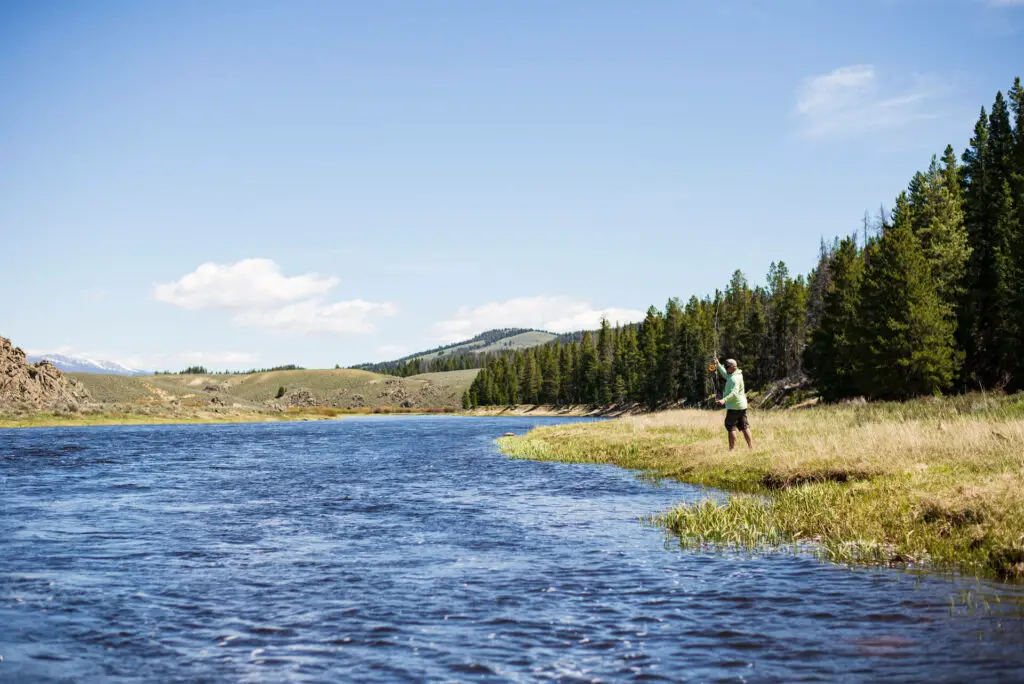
258,183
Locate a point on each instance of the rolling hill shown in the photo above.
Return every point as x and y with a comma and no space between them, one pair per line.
338,388
500,339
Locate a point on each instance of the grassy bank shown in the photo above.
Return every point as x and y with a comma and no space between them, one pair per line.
933,482
135,417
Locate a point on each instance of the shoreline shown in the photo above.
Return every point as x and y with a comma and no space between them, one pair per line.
931,483
551,410
127,417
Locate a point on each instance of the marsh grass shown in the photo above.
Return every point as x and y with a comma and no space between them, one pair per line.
933,482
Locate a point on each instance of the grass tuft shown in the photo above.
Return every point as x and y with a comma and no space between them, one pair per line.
932,482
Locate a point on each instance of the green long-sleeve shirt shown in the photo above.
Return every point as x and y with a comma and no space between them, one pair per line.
734,395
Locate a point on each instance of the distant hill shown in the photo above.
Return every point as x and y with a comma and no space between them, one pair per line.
500,339
282,389
77,364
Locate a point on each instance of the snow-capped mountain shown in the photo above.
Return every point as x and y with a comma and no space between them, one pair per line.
75,364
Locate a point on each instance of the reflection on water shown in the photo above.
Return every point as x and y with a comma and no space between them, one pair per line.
407,548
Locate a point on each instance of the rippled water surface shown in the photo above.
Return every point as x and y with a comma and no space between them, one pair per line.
408,548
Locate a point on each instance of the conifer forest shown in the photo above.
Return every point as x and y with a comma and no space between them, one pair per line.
923,299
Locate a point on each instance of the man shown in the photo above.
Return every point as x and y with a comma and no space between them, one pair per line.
734,399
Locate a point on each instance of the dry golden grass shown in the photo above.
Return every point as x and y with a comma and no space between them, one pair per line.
934,482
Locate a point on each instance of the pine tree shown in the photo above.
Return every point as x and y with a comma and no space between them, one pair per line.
818,284
668,352
1016,229
989,331
603,369
649,336
906,344
831,357
552,382
566,372
586,370
937,203
627,363
977,303
787,320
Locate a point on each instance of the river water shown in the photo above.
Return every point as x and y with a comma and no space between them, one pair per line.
391,549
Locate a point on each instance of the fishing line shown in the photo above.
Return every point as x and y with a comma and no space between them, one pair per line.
714,368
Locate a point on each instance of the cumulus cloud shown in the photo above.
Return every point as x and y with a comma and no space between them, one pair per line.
247,283
850,100
312,316
554,313
259,295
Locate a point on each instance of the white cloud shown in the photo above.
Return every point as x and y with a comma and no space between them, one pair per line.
553,313
313,316
849,100
250,283
261,296
392,350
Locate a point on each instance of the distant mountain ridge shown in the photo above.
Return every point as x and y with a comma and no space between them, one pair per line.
35,385
77,364
498,339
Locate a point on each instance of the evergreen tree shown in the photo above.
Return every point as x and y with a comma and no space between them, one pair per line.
552,377
649,338
907,339
603,369
586,370
786,322
831,357
990,334
668,352
818,284
937,203
627,364
566,372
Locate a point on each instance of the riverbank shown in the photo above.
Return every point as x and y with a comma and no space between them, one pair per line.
130,416
127,414
933,482
546,410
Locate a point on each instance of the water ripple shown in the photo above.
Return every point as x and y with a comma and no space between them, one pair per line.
386,549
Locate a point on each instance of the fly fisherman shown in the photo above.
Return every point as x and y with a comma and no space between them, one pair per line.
734,399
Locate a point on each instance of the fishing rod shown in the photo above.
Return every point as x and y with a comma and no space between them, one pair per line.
713,366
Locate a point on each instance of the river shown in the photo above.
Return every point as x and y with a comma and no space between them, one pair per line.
408,548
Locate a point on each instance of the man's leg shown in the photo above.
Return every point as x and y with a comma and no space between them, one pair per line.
732,439
746,436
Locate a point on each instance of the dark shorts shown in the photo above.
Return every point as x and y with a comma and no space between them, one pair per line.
736,419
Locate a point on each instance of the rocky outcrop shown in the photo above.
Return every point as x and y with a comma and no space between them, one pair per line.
35,386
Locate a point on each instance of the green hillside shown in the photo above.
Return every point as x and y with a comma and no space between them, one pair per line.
461,355
339,388
523,340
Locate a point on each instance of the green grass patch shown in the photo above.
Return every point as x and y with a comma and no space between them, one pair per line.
937,483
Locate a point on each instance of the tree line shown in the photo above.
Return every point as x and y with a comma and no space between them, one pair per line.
202,370
930,299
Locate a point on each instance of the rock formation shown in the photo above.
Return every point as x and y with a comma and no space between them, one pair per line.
37,385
